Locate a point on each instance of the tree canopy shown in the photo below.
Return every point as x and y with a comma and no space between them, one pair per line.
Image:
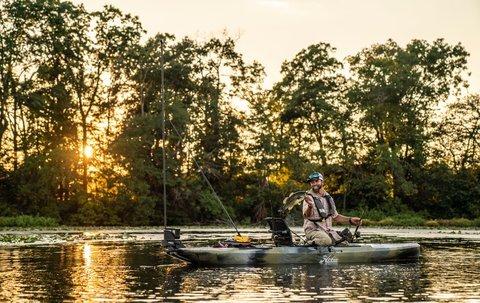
81,124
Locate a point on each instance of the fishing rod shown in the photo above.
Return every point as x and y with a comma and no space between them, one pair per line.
209,184
301,238
162,96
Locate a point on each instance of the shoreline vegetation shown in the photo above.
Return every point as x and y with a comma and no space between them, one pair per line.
400,220
82,138
28,236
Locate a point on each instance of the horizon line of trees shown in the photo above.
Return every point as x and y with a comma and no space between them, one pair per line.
391,126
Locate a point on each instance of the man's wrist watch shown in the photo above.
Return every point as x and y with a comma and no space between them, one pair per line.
350,221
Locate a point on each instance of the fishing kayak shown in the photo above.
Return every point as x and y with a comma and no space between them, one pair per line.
263,255
285,251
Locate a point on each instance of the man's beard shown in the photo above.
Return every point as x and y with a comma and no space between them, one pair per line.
316,188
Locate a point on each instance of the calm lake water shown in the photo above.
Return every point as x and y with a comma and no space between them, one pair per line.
142,272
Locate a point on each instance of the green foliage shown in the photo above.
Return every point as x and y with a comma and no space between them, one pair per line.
87,79
210,205
390,217
409,220
379,218
310,90
458,222
372,215
28,221
457,134
396,90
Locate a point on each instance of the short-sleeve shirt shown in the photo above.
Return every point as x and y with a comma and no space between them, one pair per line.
325,224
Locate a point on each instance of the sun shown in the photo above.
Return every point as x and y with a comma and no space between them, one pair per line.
88,151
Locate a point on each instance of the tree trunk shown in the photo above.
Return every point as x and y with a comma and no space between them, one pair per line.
84,157
345,162
3,125
15,133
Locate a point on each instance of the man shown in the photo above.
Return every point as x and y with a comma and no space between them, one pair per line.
319,211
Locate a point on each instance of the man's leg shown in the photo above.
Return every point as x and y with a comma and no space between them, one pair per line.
320,237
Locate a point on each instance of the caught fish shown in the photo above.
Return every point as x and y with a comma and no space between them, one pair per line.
294,199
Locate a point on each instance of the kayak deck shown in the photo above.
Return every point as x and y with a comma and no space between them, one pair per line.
258,255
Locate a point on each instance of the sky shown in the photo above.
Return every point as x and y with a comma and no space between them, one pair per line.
271,31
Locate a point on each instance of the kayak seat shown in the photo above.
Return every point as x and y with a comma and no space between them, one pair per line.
281,234
171,238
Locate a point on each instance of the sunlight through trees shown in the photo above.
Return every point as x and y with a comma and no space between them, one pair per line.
80,123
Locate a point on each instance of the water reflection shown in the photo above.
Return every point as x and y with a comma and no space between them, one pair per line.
119,272
23,273
452,272
303,283
98,272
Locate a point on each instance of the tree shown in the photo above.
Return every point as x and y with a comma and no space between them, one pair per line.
458,134
310,89
40,116
96,48
396,91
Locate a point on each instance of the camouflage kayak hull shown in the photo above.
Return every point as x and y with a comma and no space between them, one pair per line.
354,253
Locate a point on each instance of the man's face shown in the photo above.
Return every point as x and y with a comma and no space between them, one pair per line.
316,184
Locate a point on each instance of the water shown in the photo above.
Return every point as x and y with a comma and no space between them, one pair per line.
142,272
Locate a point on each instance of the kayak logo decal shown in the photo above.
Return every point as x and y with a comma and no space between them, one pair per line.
329,259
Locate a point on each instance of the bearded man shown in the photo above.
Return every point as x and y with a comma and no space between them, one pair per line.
319,212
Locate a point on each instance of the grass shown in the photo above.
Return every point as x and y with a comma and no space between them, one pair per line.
413,220
27,221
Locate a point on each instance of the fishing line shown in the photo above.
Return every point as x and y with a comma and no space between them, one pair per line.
207,181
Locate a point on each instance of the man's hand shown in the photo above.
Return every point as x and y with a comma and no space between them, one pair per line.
355,221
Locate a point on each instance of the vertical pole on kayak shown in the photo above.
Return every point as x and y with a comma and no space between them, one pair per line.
162,96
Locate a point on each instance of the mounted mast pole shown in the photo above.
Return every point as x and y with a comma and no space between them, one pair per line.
162,97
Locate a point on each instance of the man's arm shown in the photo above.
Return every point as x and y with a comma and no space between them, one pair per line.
347,220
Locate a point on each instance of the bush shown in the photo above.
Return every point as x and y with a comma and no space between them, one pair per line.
432,223
476,222
457,222
378,217
386,222
409,220
368,222
373,214
27,221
